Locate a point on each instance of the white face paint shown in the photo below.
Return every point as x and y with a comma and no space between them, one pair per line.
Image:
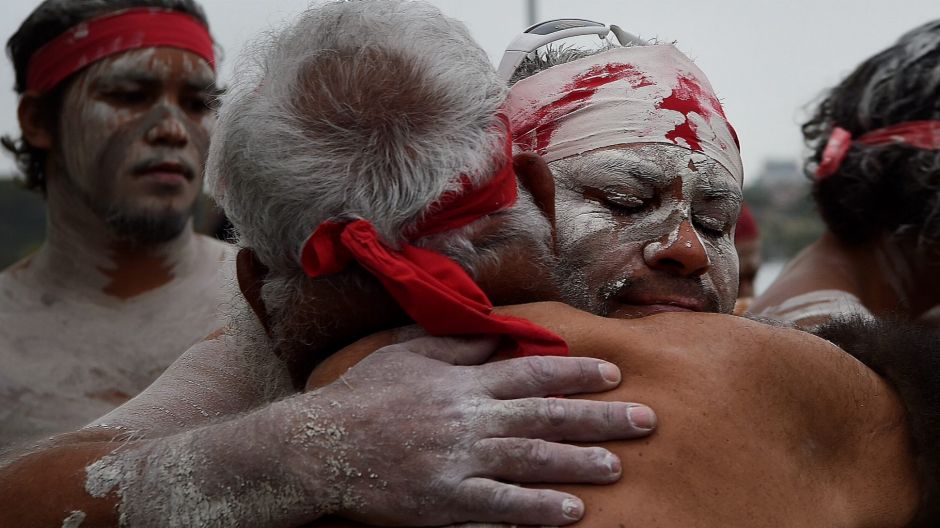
134,135
647,228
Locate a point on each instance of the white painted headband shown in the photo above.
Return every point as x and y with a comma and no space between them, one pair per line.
641,94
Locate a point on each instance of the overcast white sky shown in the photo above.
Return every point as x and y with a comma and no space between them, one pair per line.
766,58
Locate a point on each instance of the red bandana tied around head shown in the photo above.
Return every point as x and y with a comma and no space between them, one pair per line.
115,33
433,289
918,134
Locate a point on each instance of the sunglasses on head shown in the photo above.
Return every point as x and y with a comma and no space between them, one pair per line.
545,33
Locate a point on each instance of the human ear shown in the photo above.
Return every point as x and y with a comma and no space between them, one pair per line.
251,274
536,177
33,122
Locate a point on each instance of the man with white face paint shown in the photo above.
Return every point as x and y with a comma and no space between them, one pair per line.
648,177
648,180
115,110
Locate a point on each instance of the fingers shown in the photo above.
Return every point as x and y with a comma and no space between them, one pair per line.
490,501
559,419
450,349
547,375
525,460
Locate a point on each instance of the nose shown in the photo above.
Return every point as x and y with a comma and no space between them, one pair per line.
680,253
168,131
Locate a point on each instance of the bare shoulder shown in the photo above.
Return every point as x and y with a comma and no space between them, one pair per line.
813,269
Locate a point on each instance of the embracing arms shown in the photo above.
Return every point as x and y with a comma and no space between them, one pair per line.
404,424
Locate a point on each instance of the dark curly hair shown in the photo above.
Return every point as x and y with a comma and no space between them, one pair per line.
46,22
895,188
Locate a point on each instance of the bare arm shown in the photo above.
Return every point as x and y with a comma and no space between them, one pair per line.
349,447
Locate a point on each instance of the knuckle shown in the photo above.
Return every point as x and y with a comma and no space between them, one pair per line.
541,369
502,499
586,372
609,414
538,453
555,411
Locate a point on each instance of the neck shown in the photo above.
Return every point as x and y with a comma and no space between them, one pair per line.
335,314
885,280
82,255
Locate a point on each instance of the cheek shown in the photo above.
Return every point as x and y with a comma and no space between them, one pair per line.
99,122
199,133
724,266
595,243
578,220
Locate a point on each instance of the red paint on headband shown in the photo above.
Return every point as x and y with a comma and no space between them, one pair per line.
575,96
115,33
918,134
689,97
433,289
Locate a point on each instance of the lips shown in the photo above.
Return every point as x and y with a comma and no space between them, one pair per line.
165,172
644,298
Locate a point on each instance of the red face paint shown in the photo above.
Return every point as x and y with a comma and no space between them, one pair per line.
575,96
688,97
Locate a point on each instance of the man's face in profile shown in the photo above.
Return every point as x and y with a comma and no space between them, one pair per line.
644,229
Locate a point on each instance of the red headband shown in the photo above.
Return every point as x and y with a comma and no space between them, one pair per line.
433,289
918,134
115,33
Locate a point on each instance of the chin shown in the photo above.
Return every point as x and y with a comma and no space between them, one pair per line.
146,227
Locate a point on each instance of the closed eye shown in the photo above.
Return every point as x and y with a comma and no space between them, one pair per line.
710,227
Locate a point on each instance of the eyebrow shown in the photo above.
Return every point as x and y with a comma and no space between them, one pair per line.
204,84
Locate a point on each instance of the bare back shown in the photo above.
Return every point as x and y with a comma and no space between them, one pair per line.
745,437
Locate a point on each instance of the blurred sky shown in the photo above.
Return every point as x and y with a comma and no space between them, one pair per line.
768,59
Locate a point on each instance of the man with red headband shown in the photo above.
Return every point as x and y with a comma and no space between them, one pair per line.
875,161
351,174
648,179
115,111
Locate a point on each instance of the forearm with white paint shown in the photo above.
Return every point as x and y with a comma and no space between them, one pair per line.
224,474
